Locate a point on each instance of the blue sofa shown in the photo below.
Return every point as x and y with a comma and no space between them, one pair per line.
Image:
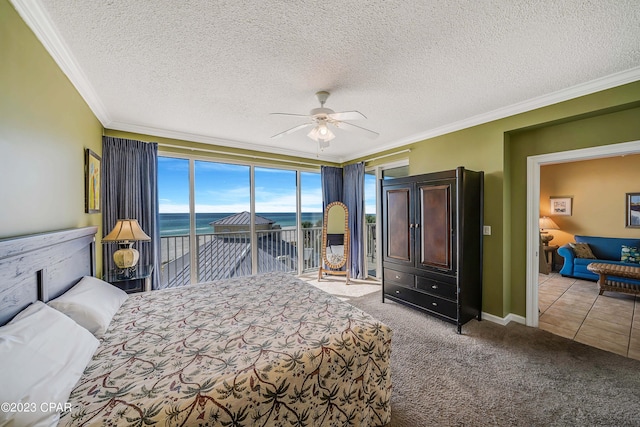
605,249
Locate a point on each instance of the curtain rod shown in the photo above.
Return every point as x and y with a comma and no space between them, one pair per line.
208,150
408,150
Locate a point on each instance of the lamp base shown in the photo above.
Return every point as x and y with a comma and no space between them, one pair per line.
126,256
546,238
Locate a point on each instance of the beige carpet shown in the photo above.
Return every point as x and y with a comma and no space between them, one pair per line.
494,375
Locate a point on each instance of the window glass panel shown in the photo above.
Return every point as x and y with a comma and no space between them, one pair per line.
399,172
173,197
312,215
275,204
222,194
370,207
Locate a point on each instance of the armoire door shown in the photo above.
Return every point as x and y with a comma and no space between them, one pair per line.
398,214
436,226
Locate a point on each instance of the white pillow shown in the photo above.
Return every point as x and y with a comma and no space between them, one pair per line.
91,303
43,355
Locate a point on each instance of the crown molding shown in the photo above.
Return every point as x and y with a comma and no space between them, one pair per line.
593,86
221,142
38,20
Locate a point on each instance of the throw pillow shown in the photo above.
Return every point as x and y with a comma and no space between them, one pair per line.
582,250
630,254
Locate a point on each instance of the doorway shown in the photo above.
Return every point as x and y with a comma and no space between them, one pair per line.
533,208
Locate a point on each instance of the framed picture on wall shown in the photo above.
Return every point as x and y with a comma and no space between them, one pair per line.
633,210
560,205
93,192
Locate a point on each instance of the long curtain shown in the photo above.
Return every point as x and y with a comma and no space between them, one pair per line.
347,186
130,185
353,194
331,179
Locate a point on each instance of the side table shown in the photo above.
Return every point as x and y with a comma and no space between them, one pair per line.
137,279
550,254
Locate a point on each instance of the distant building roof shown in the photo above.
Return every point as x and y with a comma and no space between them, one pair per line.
242,218
220,259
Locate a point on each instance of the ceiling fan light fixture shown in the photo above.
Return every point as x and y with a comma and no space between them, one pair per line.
321,133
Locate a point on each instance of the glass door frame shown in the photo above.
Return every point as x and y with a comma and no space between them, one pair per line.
379,172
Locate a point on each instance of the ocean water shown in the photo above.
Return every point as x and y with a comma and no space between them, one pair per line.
177,224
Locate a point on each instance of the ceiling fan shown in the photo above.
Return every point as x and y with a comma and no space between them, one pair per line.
321,118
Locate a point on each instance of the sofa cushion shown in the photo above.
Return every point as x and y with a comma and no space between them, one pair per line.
630,254
607,247
582,250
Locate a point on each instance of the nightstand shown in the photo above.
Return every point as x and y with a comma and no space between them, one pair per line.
137,279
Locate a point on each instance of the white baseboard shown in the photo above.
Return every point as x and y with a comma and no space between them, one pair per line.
504,320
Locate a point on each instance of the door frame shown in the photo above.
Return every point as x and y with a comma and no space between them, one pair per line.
533,207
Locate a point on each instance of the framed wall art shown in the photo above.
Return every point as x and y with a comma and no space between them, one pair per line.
633,210
560,205
93,192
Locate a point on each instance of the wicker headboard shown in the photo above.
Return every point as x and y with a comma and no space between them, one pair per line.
43,266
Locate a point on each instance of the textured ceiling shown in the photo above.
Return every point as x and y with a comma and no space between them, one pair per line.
212,71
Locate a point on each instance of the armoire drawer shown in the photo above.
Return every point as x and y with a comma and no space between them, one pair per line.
436,287
419,298
400,277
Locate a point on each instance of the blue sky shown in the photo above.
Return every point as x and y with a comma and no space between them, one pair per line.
222,187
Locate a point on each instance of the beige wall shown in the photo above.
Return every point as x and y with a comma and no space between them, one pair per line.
598,188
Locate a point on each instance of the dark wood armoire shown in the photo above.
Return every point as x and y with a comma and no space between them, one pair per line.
432,243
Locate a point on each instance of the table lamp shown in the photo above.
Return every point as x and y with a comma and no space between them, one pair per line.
125,233
546,223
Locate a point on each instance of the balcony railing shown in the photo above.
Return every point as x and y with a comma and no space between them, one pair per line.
223,255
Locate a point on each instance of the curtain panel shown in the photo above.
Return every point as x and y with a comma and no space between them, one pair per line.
353,194
331,178
130,184
347,186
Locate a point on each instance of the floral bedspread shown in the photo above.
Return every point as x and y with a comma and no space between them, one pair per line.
268,350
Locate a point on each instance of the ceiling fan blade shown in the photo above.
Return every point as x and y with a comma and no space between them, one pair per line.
289,114
350,126
347,115
293,129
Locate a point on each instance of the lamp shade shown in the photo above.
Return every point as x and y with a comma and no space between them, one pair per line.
126,230
547,223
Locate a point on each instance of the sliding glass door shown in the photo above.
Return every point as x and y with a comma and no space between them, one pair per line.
220,220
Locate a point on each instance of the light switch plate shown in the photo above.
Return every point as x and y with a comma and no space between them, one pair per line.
486,230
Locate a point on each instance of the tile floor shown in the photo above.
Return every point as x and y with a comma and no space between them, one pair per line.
336,285
573,309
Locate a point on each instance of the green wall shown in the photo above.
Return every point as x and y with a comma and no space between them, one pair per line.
44,128
603,129
221,153
500,148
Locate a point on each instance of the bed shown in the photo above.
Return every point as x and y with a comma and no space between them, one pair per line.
268,350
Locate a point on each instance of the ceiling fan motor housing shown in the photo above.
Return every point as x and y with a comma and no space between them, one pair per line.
320,112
